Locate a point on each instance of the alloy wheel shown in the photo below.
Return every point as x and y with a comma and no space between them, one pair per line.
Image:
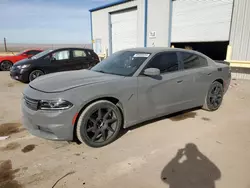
215,96
35,74
6,65
101,125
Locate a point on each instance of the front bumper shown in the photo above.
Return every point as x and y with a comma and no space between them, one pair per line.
52,125
19,74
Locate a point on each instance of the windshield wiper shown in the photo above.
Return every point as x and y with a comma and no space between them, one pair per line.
107,72
101,71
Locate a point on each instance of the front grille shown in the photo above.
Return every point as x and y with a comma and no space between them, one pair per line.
31,103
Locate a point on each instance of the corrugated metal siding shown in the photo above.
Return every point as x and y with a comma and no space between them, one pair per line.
240,30
124,30
201,20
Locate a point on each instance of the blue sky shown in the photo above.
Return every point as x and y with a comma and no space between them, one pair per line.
47,21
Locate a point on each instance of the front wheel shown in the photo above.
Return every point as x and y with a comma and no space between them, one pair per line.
35,74
214,97
5,65
99,124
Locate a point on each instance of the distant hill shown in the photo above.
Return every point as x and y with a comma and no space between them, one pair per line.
16,47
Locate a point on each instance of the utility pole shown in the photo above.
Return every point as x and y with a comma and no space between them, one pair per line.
5,45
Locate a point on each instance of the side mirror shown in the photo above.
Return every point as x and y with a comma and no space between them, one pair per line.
152,72
24,54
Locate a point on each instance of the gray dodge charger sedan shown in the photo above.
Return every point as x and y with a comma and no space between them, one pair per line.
129,87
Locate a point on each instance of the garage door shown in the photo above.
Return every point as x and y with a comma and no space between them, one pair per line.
201,20
124,30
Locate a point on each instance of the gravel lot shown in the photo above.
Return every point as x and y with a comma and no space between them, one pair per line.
144,157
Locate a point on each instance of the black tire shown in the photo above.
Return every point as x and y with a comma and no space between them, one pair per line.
35,74
6,65
214,97
99,124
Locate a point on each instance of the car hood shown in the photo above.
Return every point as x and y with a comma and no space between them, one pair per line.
6,57
59,82
23,62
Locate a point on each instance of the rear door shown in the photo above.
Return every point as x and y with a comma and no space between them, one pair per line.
196,70
161,95
79,59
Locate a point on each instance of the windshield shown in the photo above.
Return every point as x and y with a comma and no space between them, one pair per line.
41,54
124,63
20,52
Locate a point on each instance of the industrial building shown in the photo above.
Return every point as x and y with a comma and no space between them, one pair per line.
218,28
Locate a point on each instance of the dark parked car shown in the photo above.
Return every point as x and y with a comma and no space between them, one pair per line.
50,61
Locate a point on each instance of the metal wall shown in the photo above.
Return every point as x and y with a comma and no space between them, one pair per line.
153,23
240,31
101,24
158,23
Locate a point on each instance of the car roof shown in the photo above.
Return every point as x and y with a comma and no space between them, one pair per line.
71,48
160,49
37,49
157,49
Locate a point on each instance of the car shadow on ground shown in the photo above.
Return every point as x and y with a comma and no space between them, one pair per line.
179,116
190,169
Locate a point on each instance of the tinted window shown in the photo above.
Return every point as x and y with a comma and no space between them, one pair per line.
93,54
61,55
33,52
191,61
79,53
166,62
89,53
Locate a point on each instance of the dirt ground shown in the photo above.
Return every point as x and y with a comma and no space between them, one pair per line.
216,150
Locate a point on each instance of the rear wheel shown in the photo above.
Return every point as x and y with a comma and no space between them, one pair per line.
5,65
35,74
214,97
99,124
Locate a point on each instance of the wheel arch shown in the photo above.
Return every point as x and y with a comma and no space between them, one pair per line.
33,69
113,100
220,80
6,60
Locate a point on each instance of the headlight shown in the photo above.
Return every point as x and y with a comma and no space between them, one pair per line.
54,105
23,66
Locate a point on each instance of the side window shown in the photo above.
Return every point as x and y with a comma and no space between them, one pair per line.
79,53
192,61
61,55
89,53
36,52
32,52
166,62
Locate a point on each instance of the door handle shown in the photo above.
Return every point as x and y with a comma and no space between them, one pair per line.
179,81
209,74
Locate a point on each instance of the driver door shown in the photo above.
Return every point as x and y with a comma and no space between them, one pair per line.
60,61
162,94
